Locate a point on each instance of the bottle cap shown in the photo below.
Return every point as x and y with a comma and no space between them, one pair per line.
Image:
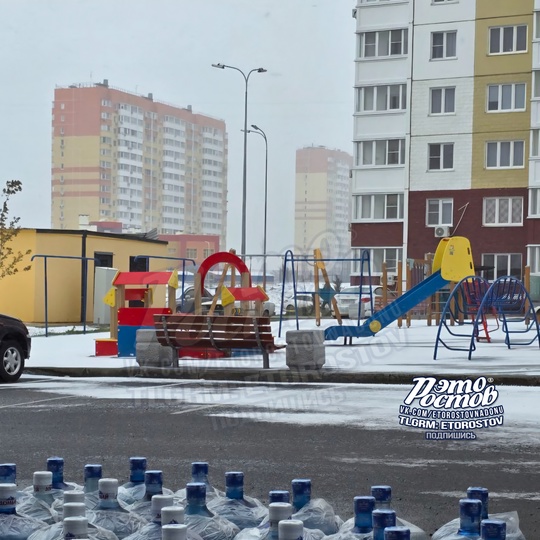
196,490
279,495
199,468
278,511
290,529
8,473
173,515
470,512
174,532
153,477
75,526
92,471
397,533
42,481
108,488
55,464
382,494
482,494
363,510
383,518
8,499
159,501
137,463
363,504
301,486
73,497
74,509
493,529
234,479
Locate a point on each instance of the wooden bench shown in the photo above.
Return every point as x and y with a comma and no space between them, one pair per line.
219,332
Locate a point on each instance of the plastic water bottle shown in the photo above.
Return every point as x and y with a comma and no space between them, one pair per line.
152,530
56,466
153,485
314,513
201,520
134,490
69,497
290,529
482,494
110,515
12,525
279,495
361,524
381,519
174,532
268,529
243,511
8,473
92,475
39,504
397,533
199,473
468,524
493,529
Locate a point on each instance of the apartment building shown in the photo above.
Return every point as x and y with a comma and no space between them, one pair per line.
322,201
127,158
446,131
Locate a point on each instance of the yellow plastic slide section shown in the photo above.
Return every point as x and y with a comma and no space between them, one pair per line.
454,258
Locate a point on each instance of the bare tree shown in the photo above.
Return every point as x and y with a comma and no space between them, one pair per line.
9,228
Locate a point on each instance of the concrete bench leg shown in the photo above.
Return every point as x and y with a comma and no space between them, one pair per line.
150,353
305,349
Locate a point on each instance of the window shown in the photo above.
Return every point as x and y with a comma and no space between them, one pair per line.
441,156
508,39
535,143
383,153
505,154
442,100
381,98
502,264
208,252
439,212
191,253
506,97
390,255
534,202
443,45
380,207
506,211
384,43
444,1
533,256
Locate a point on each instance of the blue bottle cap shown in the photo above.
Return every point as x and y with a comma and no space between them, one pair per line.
363,509
196,490
493,529
8,473
199,468
482,494
382,494
137,463
55,464
301,486
92,471
470,512
381,519
234,479
279,495
397,533
153,477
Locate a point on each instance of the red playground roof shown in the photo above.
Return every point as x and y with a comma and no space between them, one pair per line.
142,278
246,294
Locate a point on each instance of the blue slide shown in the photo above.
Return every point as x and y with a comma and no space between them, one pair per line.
398,308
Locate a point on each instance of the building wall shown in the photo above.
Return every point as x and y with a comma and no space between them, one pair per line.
23,295
148,164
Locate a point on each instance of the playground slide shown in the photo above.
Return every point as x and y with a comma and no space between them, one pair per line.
398,308
452,262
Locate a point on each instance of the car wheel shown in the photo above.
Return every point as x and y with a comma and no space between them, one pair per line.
11,361
266,313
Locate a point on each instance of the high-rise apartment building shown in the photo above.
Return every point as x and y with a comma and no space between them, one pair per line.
118,156
446,130
322,201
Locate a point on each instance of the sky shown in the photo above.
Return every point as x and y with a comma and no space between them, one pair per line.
166,47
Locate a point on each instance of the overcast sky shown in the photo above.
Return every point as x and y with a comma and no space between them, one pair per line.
167,47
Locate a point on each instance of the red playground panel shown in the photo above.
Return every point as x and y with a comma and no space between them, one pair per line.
139,316
106,347
142,278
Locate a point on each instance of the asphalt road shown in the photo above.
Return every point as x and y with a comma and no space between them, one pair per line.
342,461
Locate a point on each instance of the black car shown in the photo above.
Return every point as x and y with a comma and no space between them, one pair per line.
15,344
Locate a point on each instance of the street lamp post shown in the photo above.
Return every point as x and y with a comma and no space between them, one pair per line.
244,174
260,132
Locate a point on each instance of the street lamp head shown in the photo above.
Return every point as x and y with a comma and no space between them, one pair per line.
255,127
220,66
262,70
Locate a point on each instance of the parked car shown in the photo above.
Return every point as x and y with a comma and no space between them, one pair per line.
349,297
15,345
304,303
186,303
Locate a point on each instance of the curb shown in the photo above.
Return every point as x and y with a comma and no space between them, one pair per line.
273,375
